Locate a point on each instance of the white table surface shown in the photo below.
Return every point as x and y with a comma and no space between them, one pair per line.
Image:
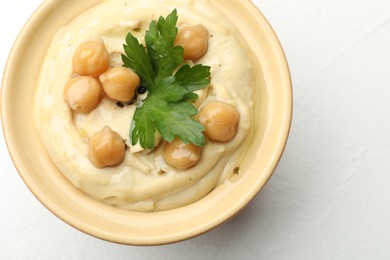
330,195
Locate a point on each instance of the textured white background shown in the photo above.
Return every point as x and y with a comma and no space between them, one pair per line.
329,197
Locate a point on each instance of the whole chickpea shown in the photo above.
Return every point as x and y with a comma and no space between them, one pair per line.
220,120
106,148
119,83
181,155
91,59
82,93
194,39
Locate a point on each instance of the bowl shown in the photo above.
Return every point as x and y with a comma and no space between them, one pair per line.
273,118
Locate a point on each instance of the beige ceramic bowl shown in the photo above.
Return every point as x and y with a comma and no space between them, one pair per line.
273,118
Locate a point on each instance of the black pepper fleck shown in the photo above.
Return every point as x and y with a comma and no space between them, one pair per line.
119,104
141,90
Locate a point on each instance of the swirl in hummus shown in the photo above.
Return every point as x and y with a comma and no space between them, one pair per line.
144,181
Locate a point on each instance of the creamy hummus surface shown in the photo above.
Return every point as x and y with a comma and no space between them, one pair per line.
143,181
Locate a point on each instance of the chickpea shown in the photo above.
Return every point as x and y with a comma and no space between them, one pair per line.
181,155
91,59
119,83
220,120
82,93
194,40
106,148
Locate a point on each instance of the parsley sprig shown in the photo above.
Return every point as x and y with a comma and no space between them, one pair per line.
170,86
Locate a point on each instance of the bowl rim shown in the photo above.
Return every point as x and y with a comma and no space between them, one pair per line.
229,214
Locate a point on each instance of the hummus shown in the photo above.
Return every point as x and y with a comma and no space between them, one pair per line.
143,181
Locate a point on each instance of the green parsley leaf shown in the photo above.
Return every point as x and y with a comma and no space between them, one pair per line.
137,59
159,40
166,108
